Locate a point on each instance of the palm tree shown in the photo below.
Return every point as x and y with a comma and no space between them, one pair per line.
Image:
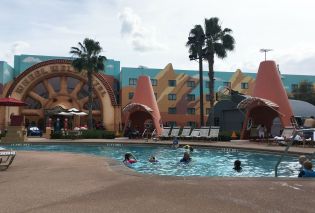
195,43
217,42
88,58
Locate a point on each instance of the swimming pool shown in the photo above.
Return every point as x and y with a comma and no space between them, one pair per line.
205,162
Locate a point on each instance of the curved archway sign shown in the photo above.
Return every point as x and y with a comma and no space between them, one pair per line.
50,73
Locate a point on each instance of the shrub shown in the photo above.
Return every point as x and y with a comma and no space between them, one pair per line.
86,134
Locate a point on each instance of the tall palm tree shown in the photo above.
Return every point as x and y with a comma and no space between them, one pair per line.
88,58
218,42
195,43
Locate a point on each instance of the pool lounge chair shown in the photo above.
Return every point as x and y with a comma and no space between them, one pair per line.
175,132
185,132
165,132
204,132
6,158
194,134
286,135
214,132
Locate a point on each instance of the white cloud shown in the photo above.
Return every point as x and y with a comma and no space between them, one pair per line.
31,59
16,48
142,38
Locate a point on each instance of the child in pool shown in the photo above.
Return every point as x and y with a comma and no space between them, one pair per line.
129,158
153,159
237,166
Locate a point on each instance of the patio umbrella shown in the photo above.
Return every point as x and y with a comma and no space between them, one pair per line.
73,110
65,113
79,113
11,102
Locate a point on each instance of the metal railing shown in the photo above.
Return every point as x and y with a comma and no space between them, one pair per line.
286,151
288,147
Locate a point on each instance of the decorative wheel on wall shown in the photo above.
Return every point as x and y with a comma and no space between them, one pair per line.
60,91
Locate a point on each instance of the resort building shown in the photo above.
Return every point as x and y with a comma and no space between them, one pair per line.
50,85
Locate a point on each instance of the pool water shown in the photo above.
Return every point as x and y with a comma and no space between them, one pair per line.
205,162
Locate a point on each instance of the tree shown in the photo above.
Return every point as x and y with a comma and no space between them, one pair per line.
88,58
217,42
195,43
304,92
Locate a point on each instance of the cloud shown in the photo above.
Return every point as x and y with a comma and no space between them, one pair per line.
31,59
16,48
142,39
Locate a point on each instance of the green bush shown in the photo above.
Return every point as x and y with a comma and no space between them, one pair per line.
86,134
97,134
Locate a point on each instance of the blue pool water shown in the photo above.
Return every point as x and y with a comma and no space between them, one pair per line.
205,162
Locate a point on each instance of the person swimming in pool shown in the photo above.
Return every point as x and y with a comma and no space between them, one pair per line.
175,142
129,158
186,158
153,159
237,166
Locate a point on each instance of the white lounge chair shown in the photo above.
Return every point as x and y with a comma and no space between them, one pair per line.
175,132
194,134
204,132
185,132
165,132
286,135
214,132
6,158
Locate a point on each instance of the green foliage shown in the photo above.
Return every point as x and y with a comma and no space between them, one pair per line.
304,92
2,134
98,134
87,134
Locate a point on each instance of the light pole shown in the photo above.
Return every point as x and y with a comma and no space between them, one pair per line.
265,51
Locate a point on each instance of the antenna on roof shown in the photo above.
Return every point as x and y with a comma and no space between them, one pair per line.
265,51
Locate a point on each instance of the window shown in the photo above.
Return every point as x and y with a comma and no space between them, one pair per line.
294,86
172,97
190,84
171,123
207,97
154,82
191,111
207,84
193,124
172,83
244,85
190,97
172,110
227,84
207,111
130,95
132,81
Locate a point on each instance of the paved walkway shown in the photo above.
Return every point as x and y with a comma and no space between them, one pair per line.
63,182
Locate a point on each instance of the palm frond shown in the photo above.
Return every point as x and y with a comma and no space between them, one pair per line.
228,42
212,27
220,50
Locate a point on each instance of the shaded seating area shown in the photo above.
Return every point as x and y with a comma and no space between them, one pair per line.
6,158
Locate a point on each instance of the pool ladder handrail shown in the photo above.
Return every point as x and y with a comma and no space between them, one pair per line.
285,152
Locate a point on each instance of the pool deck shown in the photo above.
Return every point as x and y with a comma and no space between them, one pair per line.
64,182
236,144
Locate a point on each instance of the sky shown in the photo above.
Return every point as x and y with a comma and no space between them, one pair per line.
153,33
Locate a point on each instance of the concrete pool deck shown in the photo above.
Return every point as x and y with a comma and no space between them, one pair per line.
63,182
